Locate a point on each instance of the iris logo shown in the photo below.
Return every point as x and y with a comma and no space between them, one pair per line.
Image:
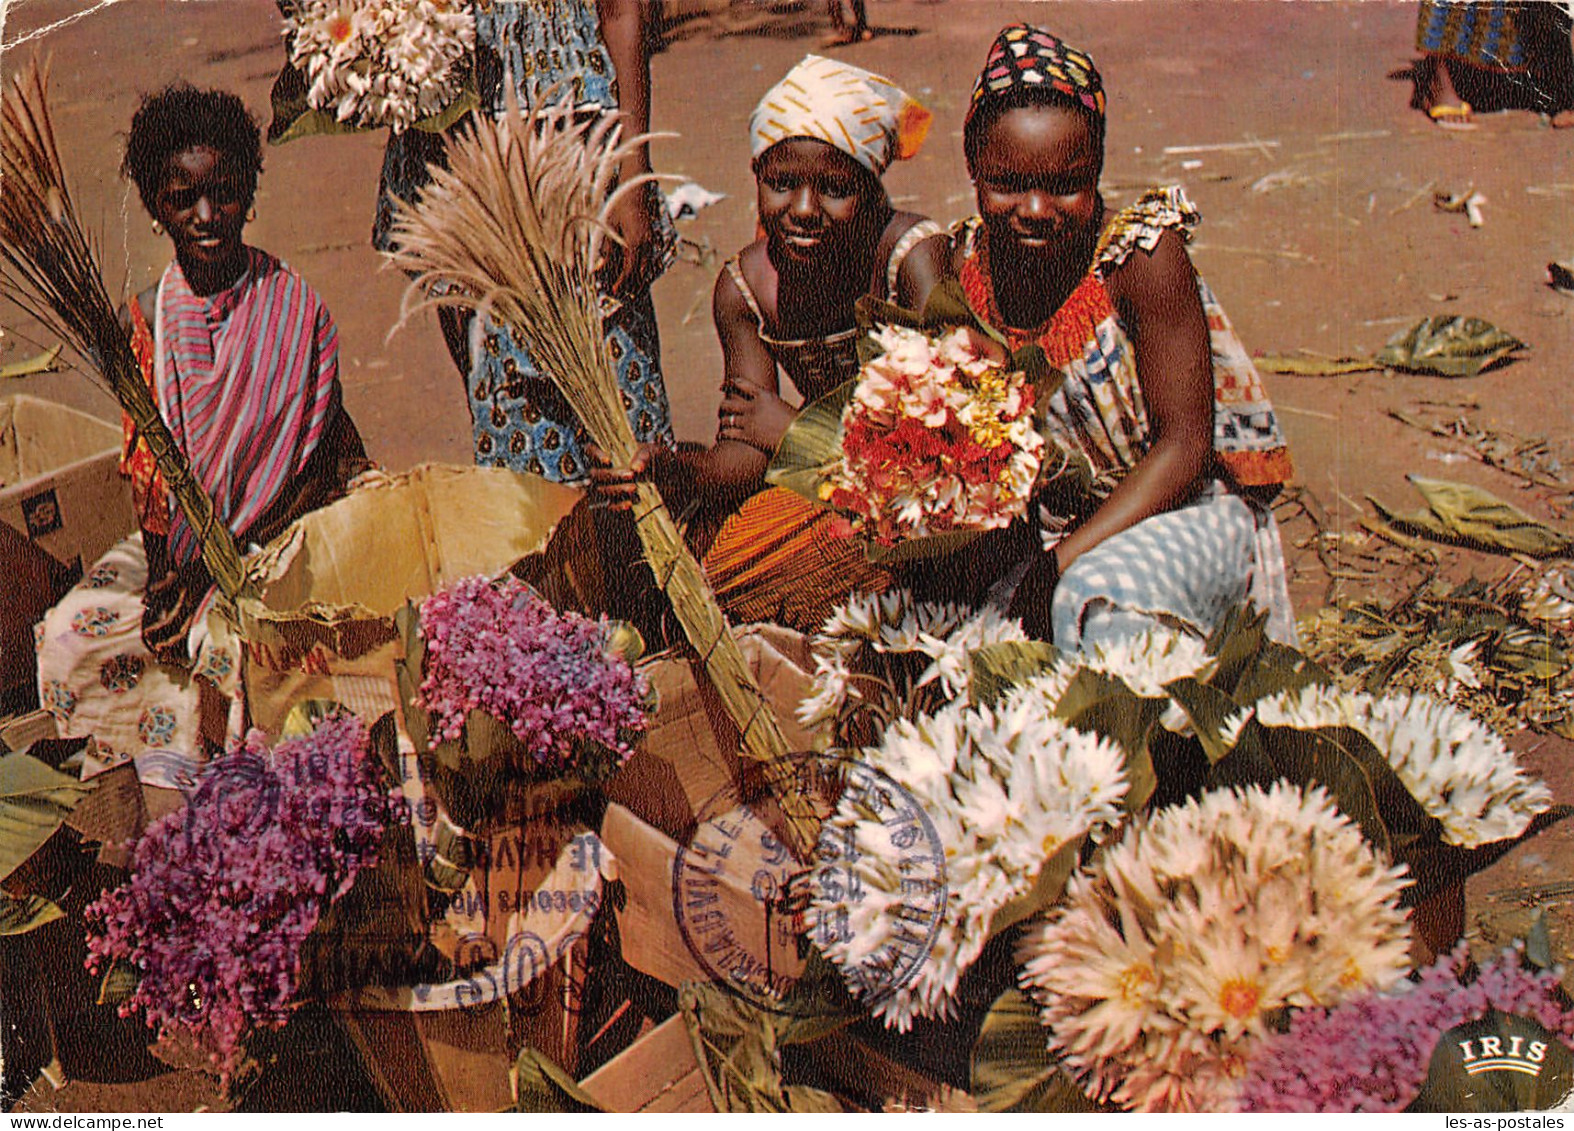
1486,1054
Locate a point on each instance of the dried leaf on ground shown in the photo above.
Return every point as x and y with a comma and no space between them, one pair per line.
1449,345
1470,516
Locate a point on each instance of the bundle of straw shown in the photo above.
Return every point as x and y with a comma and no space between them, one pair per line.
50,268
514,227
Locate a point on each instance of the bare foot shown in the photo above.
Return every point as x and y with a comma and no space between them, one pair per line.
1563,119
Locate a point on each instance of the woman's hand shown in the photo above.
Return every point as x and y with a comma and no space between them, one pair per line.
168,604
630,267
754,415
616,487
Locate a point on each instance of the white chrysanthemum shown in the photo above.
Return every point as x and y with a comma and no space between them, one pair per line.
381,62
1175,951
1459,770
1145,663
952,652
1004,791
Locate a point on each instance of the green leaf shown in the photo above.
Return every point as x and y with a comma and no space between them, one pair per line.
735,1045
1012,1068
996,668
120,982
544,1087
1538,944
805,1100
1324,757
1051,881
20,914
34,801
811,445
1208,709
1436,865
921,549
1469,516
1447,345
817,1005
1105,706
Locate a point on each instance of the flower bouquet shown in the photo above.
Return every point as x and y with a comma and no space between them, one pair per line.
513,706
933,443
207,937
365,64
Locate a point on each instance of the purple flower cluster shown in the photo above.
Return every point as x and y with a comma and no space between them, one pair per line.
224,891
550,677
1371,1053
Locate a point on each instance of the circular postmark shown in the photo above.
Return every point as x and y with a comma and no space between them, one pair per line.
734,883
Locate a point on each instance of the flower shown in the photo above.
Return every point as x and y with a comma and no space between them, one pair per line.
934,439
1372,1052
553,678
1004,791
1172,955
381,62
224,891
1149,660
1460,771
873,640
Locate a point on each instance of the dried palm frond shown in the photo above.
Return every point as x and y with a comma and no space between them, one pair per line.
514,228
50,268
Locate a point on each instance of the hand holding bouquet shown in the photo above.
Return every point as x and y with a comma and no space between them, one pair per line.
937,437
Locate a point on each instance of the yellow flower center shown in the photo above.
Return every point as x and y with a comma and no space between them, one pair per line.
1352,976
1134,981
1239,997
340,29
1276,954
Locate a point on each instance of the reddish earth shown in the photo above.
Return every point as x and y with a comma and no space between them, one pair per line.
1319,233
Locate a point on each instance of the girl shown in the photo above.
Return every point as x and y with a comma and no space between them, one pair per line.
1160,402
821,138
242,358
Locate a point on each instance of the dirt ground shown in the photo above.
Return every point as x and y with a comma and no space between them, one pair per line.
1313,174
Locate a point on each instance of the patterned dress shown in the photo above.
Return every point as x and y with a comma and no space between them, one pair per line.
95,675
548,47
1185,568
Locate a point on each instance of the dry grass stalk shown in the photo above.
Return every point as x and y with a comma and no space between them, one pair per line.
50,268
514,227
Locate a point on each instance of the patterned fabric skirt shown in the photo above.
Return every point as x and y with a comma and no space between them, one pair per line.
522,422
1184,569
1481,34
100,682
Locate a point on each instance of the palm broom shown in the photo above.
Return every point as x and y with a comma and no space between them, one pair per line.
50,267
513,227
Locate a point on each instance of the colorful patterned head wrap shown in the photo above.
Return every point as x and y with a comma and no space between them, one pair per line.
867,117
1024,57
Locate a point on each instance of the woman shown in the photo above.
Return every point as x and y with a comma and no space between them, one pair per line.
785,305
1161,409
242,358
596,51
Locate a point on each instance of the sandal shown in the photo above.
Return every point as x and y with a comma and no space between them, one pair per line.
1455,117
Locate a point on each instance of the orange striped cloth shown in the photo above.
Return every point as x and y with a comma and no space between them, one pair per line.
781,559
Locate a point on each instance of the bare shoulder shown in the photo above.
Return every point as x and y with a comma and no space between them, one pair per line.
1162,270
145,302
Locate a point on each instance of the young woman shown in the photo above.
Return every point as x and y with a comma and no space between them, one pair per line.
821,139
1160,407
242,358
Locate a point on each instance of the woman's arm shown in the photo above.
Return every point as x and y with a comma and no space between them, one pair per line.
625,31
731,469
923,269
1156,297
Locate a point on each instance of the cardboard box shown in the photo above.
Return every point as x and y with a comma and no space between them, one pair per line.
62,504
658,1072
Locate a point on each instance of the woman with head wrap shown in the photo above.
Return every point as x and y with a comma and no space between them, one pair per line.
1171,446
821,139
